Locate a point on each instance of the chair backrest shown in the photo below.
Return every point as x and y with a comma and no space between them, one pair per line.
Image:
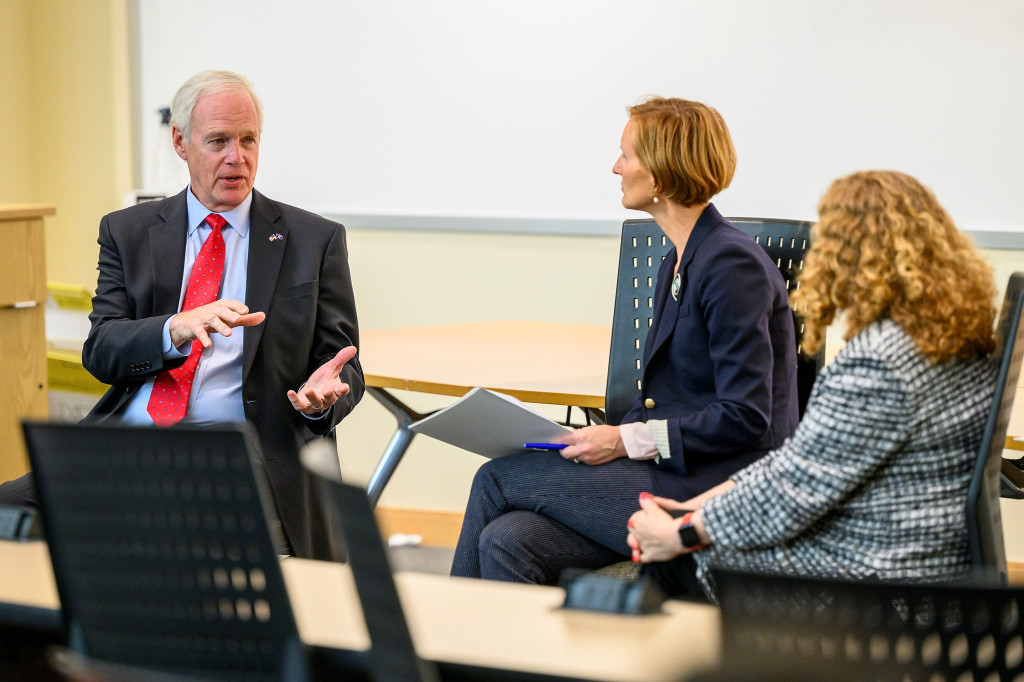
392,655
161,549
984,521
641,252
823,629
1012,475
786,242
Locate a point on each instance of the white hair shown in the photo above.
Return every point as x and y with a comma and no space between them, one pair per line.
201,84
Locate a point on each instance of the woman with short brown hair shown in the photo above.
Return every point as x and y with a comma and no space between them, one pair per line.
719,375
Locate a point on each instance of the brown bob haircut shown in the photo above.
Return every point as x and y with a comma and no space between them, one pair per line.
686,146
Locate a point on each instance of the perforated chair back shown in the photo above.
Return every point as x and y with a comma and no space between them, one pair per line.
161,550
984,520
786,242
819,629
392,655
641,252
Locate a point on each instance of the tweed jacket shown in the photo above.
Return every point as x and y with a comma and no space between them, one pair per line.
874,481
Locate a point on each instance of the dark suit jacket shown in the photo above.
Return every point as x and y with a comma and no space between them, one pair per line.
300,279
719,363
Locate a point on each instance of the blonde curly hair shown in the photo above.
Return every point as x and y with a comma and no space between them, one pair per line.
883,247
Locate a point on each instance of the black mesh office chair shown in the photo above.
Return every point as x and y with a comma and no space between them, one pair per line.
984,520
392,655
641,252
1012,474
787,242
788,628
161,552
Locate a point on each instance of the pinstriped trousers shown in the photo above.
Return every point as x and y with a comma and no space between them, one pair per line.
532,515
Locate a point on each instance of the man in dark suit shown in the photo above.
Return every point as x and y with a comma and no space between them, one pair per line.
277,337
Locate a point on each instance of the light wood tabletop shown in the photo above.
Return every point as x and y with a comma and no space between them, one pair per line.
540,362
510,626
553,363
458,620
19,211
26,577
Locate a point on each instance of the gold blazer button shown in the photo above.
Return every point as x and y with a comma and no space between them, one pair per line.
649,403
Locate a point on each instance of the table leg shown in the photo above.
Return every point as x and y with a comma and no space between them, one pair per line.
399,443
592,415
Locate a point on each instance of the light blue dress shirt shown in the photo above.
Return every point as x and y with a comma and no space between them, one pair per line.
217,389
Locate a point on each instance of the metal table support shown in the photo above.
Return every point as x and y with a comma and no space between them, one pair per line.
399,443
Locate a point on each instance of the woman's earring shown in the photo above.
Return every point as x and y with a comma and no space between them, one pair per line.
655,200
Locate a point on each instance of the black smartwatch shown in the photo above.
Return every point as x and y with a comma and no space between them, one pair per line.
688,534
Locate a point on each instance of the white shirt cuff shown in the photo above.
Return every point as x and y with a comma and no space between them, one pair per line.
170,351
659,434
636,437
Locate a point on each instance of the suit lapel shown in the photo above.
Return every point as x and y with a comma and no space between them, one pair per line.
661,303
167,254
268,239
668,311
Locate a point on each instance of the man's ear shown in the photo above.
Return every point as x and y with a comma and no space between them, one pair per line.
178,140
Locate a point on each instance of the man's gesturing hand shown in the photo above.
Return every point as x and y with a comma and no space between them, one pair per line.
324,387
219,316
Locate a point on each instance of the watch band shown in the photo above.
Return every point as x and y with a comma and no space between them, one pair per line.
688,533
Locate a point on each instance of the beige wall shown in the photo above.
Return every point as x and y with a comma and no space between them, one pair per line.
15,103
65,134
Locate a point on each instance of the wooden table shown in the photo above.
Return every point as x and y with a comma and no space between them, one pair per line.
461,621
549,363
22,329
25,575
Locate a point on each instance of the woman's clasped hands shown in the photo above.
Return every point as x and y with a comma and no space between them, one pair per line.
654,532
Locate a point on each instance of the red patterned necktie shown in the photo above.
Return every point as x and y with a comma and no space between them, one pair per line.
169,399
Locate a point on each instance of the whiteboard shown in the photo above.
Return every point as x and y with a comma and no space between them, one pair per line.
511,112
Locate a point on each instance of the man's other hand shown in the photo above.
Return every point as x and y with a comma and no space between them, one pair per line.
324,387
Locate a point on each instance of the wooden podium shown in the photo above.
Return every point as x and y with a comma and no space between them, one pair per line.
22,329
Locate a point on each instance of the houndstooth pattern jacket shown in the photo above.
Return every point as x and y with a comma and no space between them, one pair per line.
874,481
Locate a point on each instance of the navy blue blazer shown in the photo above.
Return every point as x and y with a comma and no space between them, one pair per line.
719,363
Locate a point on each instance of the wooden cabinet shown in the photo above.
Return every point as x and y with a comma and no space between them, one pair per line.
22,329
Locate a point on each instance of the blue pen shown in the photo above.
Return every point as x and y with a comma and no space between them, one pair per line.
545,446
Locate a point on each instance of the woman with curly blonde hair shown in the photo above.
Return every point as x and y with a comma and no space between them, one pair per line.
884,247
873,484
